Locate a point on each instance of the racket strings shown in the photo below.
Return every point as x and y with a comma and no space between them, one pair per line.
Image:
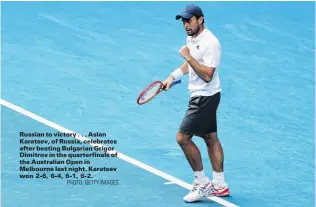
151,92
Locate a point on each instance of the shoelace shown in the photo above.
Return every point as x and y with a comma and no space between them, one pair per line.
212,188
195,186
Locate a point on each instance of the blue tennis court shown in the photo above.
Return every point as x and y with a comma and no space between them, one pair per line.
82,65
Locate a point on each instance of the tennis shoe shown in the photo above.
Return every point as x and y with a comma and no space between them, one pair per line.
198,191
216,190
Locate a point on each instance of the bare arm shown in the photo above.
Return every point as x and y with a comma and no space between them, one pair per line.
185,68
211,59
205,73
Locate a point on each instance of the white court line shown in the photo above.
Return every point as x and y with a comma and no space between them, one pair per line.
120,155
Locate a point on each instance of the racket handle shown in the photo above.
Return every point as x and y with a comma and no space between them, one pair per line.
175,83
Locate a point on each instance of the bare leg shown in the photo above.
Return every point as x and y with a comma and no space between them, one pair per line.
215,151
191,151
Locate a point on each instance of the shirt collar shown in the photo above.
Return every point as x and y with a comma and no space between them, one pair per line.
196,39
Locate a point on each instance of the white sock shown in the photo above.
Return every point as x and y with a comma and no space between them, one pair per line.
200,176
219,178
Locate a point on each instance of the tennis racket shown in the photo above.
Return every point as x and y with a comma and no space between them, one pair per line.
152,90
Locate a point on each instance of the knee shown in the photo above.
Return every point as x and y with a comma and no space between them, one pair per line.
211,138
182,139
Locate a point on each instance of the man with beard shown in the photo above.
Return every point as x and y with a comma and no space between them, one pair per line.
202,55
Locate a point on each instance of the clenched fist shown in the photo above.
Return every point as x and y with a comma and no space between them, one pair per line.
185,53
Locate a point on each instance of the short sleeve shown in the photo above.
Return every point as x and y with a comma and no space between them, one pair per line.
212,55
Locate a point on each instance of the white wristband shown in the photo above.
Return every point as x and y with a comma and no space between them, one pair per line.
177,74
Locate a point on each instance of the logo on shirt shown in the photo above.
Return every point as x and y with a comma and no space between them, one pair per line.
197,47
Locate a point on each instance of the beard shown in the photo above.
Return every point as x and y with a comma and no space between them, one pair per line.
191,32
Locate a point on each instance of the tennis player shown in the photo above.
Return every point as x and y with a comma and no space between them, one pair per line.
202,55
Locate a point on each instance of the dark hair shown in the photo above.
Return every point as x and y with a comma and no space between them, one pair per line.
197,17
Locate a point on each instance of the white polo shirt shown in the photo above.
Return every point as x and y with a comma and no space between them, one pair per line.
206,49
